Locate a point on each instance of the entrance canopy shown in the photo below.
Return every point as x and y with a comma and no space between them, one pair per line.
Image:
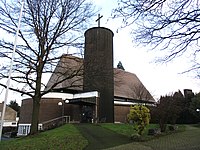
83,101
80,98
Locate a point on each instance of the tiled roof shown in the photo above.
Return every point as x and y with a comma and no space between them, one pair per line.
126,84
129,86
70,68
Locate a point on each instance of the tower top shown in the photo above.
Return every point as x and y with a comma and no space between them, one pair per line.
98,19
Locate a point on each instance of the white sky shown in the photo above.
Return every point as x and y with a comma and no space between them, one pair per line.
159,79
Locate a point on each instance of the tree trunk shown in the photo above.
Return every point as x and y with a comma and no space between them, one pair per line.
163,125
35,115
36,100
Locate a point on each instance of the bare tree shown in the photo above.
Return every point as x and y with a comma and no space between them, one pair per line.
172,26
138,91
47,27
168,109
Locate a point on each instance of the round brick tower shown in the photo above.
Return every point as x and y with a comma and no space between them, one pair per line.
98,69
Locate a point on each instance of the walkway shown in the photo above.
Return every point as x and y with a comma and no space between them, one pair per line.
187,140
101,138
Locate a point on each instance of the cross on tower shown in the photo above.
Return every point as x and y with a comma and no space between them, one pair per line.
98,19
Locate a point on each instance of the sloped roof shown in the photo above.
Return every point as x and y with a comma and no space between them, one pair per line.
126,85
129,86
69,69
10,113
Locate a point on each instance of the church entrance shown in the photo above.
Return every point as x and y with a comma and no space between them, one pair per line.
87,114
88,109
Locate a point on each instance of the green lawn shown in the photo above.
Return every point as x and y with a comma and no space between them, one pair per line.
101,138
69,137
128,129
62,138
188,139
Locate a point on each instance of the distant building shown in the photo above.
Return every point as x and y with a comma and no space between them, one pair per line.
10,118
95,93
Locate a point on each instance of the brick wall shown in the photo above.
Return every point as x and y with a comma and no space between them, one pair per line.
120,113
49,109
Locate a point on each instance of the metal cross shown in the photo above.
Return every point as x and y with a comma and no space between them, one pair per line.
98,19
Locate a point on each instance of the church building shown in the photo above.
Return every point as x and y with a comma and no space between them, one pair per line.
89,90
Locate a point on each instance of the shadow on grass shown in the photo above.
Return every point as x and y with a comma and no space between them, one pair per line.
101,138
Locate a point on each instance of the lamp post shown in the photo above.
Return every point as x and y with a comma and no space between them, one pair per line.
62,105
198,111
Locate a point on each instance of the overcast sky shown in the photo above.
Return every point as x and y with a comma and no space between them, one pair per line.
159,79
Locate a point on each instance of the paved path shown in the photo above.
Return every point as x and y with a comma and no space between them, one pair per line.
101,138
187,140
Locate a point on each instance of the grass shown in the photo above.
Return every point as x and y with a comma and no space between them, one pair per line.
124,129
128,129
101,138
187,137
62,138
187,140
69,137
197,125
